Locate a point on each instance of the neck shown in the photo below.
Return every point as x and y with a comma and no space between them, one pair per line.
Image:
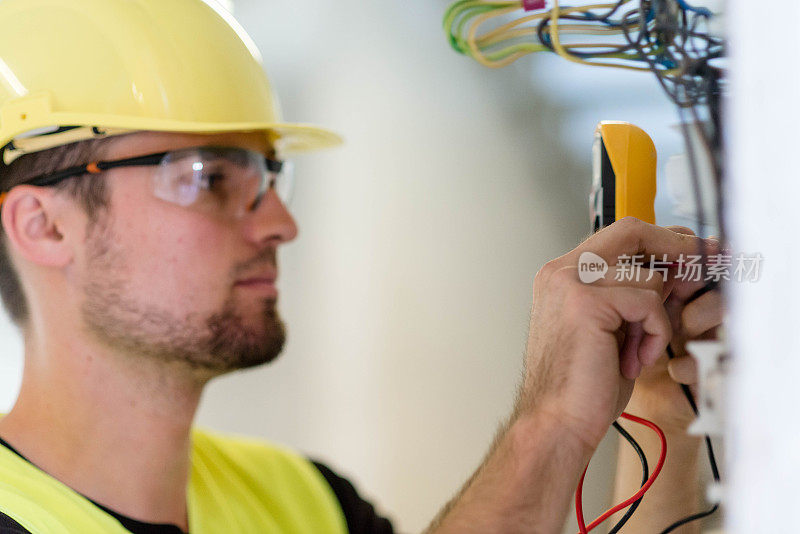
92,418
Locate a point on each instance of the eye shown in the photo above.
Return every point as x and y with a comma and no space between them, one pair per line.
212,180
210,176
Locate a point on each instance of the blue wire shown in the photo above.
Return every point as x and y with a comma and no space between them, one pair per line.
593,17
699,10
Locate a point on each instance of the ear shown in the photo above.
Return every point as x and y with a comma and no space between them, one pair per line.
30,219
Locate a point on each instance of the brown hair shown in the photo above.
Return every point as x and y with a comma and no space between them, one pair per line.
91,193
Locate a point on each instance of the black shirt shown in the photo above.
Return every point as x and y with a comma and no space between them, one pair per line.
360,514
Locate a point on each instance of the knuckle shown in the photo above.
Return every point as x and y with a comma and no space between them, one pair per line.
553,273
632,229
564,275
545,272
652,298
629,223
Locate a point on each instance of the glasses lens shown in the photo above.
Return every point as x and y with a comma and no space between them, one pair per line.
284,182
216,180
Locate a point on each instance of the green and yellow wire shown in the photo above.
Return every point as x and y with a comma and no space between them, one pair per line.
512,40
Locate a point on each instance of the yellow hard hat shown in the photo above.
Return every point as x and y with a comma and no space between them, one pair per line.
75,69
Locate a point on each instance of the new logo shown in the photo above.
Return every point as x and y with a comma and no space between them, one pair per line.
591,267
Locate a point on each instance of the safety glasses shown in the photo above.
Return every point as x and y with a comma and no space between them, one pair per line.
218,180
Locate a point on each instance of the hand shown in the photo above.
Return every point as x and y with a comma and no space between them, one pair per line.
588,342
656,395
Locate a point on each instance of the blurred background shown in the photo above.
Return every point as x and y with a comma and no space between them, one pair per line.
407,294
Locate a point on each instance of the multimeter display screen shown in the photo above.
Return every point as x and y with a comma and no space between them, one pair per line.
602,198
596,196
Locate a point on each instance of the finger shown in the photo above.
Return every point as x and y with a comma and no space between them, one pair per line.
679,293
630,236
633,276
629,364
683,370
691,279
672,279
702,314
711,335
681,229
643,306
686,286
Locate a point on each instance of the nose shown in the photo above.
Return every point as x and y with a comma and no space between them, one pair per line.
270,223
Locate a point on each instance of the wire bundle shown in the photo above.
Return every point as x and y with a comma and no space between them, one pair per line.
666,37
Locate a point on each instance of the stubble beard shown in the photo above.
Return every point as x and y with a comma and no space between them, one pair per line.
214,344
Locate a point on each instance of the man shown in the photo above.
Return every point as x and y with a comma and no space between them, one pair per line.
142,212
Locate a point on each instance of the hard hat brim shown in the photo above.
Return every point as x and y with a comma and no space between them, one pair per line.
299,138
287,138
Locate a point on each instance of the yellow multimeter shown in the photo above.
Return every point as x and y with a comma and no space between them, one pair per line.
623,174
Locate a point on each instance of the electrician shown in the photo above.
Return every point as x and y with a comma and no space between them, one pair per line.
141,201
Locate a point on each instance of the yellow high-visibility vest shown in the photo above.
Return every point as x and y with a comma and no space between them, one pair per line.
237,485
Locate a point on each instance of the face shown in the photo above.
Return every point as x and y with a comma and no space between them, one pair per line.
170,283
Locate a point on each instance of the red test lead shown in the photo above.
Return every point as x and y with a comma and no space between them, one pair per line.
582,527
